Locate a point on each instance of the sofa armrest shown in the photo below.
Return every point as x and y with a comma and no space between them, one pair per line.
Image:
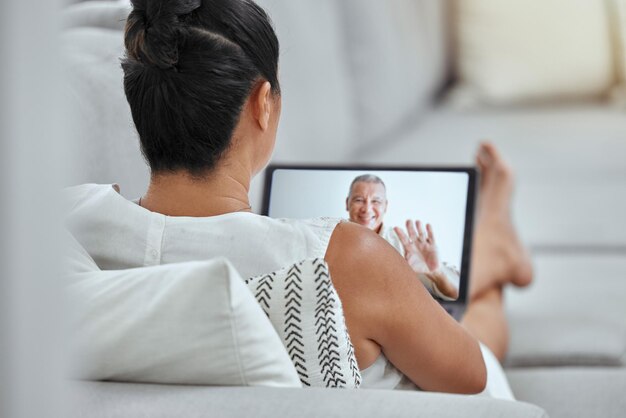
104,399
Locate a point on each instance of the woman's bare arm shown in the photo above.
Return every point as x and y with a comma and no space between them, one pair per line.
388,309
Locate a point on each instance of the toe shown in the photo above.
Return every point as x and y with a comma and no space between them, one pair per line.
493,159
485,154
483,160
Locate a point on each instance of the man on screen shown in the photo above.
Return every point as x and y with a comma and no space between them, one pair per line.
367,205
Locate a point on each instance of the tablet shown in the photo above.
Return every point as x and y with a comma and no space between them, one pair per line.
383,198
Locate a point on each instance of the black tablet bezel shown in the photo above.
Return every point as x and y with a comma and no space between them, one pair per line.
469,209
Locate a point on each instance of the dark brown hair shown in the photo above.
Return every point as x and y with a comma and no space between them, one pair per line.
189,67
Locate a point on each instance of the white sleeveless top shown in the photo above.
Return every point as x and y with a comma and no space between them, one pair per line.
118,234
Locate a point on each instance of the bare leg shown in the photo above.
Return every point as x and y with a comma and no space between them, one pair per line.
486,321
498,256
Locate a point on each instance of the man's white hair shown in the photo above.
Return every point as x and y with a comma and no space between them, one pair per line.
366,178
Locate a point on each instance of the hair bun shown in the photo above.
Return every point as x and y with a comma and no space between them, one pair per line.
186,122
158,47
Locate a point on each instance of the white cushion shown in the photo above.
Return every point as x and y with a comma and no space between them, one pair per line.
573,314
572,392
188,323
534,50
305,309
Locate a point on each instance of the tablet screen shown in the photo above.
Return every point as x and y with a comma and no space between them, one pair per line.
383,200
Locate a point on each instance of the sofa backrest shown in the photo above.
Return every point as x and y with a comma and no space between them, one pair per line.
398,53
317,122
105,146
356,71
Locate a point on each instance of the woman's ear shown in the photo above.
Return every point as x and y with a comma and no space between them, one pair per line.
264,105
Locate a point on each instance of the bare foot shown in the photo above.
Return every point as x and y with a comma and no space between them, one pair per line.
498,256
496,180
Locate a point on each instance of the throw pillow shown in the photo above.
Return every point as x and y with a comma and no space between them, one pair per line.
305,310
533,50
187,323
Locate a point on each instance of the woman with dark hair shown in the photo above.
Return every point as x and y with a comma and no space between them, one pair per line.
201,78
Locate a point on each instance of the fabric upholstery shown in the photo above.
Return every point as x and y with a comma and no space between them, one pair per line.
304,308
573,392
565,341
100,14
507,50
395,73
188,323
103,140
573,314
317,121
137,401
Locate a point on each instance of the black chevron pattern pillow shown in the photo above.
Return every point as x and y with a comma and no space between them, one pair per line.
304,308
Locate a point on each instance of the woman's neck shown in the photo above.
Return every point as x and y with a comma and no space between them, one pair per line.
178,194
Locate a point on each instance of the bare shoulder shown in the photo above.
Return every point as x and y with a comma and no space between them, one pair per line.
350,241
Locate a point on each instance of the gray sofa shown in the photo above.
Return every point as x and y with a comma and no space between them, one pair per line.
363,82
